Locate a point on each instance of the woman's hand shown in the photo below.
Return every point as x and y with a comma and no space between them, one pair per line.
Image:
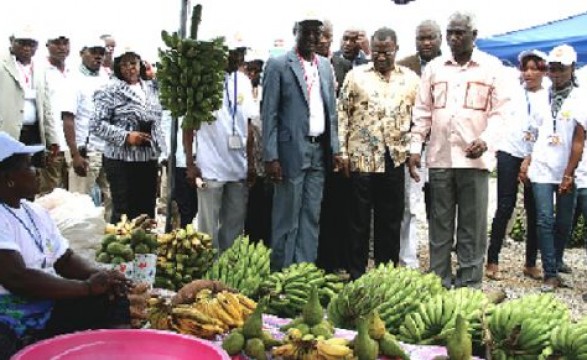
108,281
137,138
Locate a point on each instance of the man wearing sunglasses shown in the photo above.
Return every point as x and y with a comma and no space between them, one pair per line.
76,111
25,110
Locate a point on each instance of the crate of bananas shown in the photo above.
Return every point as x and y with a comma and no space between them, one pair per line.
191,74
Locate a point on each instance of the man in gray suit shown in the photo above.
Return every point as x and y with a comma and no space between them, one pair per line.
300,139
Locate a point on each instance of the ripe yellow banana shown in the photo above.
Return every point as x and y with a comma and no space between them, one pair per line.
331,350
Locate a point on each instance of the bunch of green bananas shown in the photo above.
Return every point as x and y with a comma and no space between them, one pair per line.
518,232
243,266
433,321
395,292
289,290
568,341
183,255
524,326
190,75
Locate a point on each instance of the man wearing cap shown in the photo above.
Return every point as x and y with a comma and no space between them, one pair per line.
57,72
25,109
561,123
223,160
299,139
110,46
77,108
460,105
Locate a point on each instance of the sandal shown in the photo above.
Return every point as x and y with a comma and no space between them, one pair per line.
492,272
532,272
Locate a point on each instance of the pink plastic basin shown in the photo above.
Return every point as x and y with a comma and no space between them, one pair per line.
123,345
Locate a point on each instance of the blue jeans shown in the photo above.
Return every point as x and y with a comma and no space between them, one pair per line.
553,230
582,203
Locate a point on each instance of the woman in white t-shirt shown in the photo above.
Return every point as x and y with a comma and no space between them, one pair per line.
555,156
45,288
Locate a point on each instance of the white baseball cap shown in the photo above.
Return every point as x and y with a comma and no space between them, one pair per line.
25,32
539,54
309,16
10,146
564,54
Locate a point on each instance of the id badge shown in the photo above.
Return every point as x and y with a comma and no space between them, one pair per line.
554,140
234,142
529,136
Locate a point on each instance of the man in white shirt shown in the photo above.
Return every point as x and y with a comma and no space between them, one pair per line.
56,72
78,107
25,109
221,158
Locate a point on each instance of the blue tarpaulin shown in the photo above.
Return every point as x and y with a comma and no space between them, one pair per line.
571,31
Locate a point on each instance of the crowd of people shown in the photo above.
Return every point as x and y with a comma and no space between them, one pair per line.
308,149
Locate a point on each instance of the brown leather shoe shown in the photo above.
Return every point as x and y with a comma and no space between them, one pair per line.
533,272
492,272
551,284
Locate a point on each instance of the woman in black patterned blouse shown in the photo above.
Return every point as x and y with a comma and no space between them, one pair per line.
128,117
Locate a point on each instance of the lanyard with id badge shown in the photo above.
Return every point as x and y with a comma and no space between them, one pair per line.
35,235
234,140
531,133
554,139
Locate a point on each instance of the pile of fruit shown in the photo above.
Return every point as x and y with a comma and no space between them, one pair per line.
395,292
568,341
191,74
251,338
289,289
524,326
183,255
433,321
127,238
242,267
209,315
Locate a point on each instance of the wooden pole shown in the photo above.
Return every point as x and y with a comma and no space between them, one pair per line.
172,161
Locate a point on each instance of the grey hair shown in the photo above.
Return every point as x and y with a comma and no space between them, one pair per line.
469,18
431,24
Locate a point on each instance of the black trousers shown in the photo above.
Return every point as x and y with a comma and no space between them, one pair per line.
97,312
334,229
384,194
186,197
259,207
133,187
31,135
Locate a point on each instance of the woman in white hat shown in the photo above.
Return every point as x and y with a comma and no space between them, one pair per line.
512,149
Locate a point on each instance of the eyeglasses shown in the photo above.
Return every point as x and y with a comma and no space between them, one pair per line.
558,68
456,32
384,53
97,50
26,42
129,64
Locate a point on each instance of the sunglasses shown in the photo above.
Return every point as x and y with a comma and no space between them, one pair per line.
558,68
26,42
97,50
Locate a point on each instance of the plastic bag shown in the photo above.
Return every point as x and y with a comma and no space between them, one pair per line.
79,220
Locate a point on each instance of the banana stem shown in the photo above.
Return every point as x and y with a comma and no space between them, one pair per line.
196,19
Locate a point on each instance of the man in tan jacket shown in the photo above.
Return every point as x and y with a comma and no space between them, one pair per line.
25,111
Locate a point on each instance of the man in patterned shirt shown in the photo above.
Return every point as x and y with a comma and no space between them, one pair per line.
375,110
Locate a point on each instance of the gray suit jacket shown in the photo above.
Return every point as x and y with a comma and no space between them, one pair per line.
285,112
412,62
12,101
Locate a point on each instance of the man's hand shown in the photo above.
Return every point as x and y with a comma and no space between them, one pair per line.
342,164
137,138
192,173
414,163
251,175
80,165
475,149
273,170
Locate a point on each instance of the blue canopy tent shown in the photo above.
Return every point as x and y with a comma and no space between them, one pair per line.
571,31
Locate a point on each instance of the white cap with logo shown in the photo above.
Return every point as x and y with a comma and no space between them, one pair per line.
10,146
564,54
